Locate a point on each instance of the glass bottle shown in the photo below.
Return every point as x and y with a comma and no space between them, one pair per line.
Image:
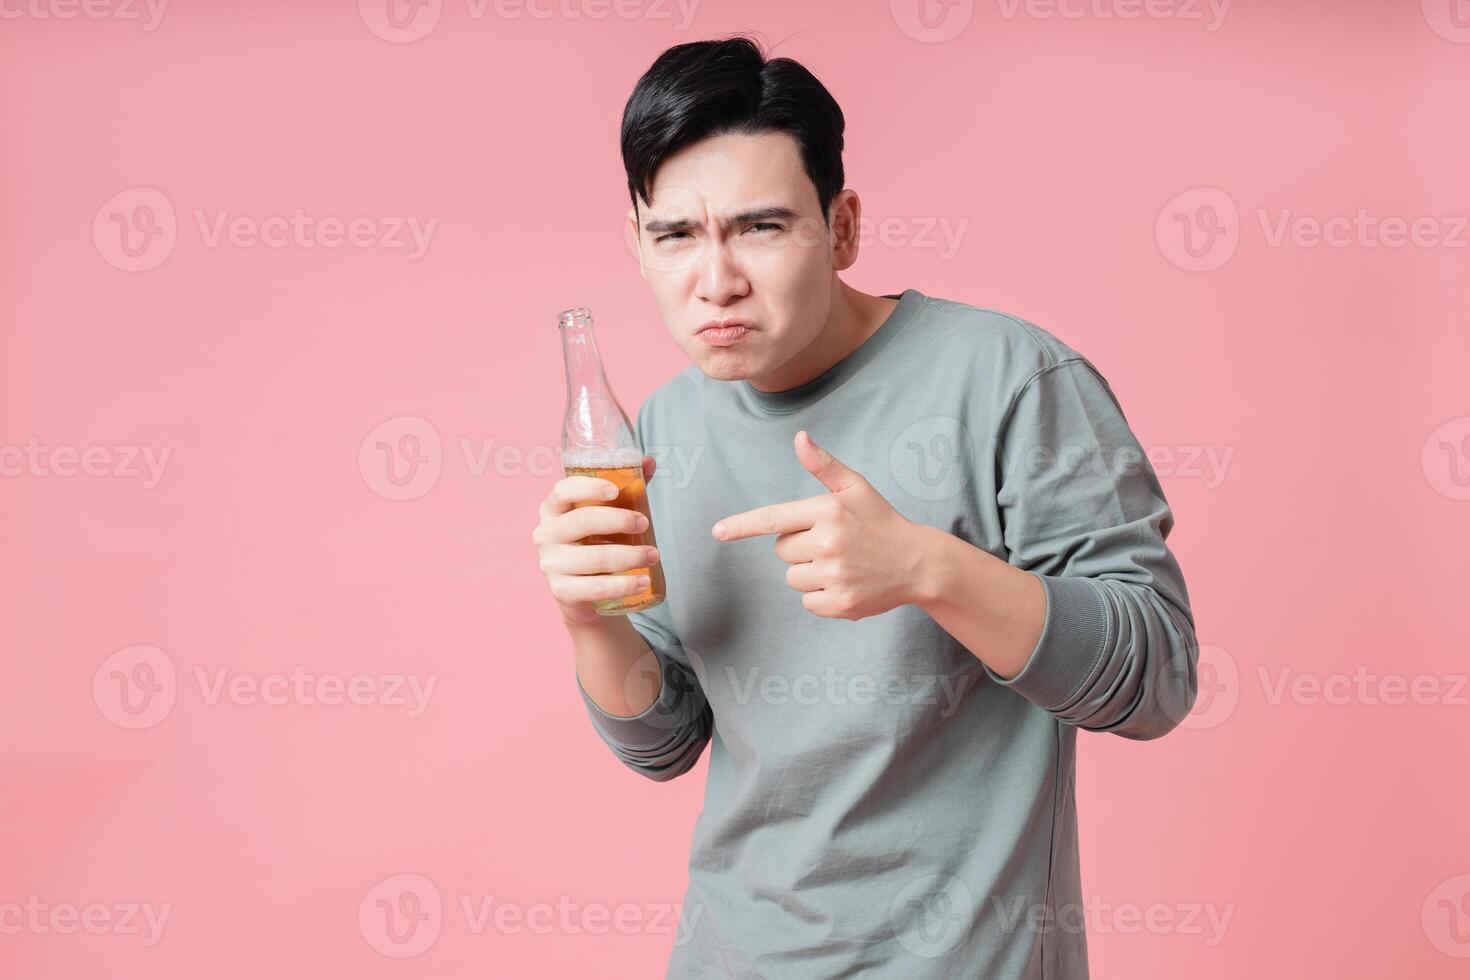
597,440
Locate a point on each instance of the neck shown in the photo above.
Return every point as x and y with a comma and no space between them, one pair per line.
852,317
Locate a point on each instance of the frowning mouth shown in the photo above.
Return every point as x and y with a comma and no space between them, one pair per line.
723,333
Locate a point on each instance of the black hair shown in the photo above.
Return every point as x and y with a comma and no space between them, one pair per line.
710,88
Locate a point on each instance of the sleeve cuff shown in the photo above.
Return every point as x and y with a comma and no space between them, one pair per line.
1071,648
651,726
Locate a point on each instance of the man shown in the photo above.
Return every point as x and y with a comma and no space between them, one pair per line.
911,548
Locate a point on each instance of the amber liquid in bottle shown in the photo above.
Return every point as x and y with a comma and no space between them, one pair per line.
632,494
597,440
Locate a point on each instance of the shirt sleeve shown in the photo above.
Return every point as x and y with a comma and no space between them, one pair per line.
665,740
1084,512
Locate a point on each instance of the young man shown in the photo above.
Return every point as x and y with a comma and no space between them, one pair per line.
889,636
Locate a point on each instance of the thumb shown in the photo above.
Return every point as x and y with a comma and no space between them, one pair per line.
835,476
649,465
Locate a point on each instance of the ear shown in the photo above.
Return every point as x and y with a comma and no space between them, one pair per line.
637,240
847,213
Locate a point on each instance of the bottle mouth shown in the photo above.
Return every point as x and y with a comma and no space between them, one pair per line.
575,317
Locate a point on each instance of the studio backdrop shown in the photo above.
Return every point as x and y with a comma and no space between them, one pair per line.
283,692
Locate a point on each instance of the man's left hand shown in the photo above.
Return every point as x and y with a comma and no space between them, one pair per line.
851,554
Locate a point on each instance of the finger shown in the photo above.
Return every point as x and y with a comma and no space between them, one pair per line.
794,515
835,475
821,603
593,519
589,588
805,576
649,465
597,559
795,546
571,490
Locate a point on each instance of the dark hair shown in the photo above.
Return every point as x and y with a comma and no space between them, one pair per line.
710,88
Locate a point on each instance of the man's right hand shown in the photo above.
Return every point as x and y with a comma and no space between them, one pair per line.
580,575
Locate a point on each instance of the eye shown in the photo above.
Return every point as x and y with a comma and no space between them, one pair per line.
765,226
672,235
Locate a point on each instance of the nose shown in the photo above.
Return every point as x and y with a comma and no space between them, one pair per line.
721,280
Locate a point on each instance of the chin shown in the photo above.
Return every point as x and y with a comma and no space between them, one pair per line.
723,368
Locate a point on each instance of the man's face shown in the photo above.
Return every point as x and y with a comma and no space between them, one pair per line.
734,232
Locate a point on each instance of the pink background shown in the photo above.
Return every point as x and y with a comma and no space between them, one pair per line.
1329,829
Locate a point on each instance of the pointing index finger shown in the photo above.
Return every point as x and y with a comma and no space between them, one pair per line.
793,515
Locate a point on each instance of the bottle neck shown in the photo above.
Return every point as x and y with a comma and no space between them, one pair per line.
596,432
580,354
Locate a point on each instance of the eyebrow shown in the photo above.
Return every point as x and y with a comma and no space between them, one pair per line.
657,226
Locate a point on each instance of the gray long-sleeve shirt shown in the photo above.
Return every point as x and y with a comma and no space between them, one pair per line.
879,803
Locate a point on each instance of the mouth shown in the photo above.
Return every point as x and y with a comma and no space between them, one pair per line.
723,333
